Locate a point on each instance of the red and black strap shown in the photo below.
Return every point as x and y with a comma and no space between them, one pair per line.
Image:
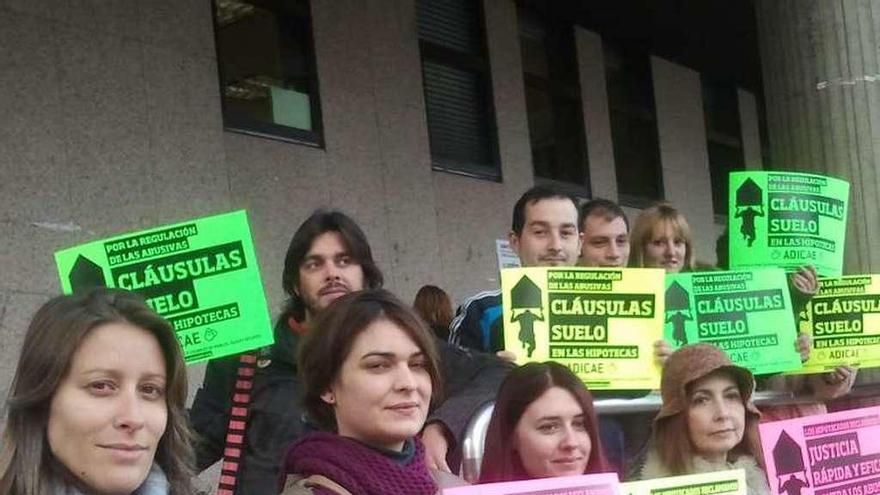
238,418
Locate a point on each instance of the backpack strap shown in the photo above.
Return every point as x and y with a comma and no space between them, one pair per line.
233,449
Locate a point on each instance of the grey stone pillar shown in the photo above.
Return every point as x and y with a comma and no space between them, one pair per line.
822,92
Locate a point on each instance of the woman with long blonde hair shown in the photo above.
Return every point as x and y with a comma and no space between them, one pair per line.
662,238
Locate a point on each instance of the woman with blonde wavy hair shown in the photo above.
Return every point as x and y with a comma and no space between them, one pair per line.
97,402
661,238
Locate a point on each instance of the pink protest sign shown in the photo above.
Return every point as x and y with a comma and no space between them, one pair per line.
588,484
828,454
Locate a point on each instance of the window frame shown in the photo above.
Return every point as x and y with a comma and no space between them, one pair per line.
460,60
258,128
558,91
634,112
716,137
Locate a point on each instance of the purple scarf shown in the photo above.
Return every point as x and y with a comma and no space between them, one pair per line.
360,469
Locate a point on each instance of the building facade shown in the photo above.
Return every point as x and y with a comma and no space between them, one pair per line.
113,122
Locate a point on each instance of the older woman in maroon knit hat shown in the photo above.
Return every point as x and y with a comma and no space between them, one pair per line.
708,421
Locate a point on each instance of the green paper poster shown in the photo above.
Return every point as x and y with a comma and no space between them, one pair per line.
201,275
787,220
746,313
601,323
843,319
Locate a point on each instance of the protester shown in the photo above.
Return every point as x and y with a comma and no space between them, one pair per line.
434,306
329,256
543,426
370,369
605,230
661,238
707,421
605,233
97,402
544,232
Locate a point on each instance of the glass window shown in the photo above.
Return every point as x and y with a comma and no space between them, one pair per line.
457,85
268,82
723,138
633,124
553,99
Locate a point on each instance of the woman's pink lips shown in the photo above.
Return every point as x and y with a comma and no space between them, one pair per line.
125,453
727,431
123,446
568,462
405,407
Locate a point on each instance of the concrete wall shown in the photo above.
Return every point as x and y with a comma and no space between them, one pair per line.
750,129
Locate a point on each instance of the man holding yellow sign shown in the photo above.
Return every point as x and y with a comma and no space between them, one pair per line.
545,233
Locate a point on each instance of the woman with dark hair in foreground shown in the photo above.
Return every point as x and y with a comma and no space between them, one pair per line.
370,371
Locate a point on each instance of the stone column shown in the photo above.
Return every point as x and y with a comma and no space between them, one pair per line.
822,92
750,130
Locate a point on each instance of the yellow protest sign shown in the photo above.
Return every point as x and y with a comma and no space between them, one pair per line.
601,323
843,319
731,482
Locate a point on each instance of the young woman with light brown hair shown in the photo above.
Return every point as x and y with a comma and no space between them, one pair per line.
543,425
97,402
662,238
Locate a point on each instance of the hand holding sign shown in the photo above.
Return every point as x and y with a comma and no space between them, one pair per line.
805,280
828,386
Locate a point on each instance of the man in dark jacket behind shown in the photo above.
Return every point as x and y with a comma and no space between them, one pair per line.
328,257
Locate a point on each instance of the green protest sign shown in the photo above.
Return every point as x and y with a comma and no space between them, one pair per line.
787,220
843,319
601,323
748,314
201,275
730,482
